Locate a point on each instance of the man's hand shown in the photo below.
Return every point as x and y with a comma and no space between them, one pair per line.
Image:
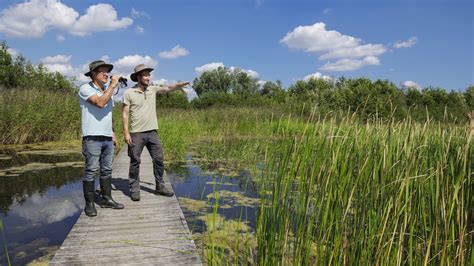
128,138
114,139
114,81
182,84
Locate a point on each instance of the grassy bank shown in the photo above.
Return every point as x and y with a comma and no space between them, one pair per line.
33,116
337,191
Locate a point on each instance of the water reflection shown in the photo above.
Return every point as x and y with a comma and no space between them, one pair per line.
197,183
40,200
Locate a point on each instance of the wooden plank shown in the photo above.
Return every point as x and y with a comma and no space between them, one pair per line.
150,231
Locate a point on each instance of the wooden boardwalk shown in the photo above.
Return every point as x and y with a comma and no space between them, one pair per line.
152,231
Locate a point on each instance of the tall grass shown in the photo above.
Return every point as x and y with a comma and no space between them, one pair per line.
368,194
29,116
336,191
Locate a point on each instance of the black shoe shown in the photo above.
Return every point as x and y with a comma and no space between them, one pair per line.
135,196
162,190
88,188
107,200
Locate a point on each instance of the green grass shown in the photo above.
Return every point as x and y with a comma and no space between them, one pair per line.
335,191
31,116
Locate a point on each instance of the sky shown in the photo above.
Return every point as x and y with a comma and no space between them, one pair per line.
413,43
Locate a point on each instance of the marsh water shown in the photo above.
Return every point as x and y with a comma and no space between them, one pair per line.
41,198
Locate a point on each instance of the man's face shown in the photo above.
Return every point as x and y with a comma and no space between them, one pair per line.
101,74
144,77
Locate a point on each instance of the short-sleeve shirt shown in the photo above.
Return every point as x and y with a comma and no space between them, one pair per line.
95,121
142,108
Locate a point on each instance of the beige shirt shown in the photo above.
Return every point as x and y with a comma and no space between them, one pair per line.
142,106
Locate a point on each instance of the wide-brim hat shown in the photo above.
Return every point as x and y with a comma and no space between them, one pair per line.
96,64
138,69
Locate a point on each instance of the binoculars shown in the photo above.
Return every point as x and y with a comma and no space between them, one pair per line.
123,82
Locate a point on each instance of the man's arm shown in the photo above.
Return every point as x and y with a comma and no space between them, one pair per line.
126,134
172,87
101,101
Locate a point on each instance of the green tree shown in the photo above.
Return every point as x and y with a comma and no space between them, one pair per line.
218,80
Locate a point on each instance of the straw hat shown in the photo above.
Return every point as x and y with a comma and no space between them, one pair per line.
138,69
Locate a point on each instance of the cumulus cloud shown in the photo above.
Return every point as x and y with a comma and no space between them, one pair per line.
46,210
208,67
58,59
32,19
12,52
161,81
350,64
316,75
349,52
327,11
60,38
59,63
175,52
211,66
128,62
100,17
411,84
405,44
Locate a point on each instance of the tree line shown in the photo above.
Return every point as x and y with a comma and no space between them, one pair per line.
368,99
234,87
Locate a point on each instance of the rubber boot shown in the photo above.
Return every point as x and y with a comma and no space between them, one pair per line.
162,190
88,188
107,200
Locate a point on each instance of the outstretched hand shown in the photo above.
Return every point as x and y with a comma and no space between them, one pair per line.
183,84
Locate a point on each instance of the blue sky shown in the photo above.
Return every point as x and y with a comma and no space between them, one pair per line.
412,43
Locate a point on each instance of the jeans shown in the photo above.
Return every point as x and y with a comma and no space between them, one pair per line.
99,154
151,141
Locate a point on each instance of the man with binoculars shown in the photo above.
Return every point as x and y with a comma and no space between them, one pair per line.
98,137
140,103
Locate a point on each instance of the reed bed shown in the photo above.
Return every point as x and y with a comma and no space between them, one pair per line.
338,191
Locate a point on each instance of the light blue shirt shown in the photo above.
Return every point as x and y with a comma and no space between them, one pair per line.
95,121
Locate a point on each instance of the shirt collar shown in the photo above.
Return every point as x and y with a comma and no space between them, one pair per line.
104,87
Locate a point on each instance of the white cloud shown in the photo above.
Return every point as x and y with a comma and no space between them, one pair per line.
351,53
32,19
139,30
348,64
45,210
58,59
211,66
411,84
139,14
60,38
208,67
12,52
405,44
317,75
355,52
59,63
252,73
130,61
161,81
327,11
190,93
175,52
100,17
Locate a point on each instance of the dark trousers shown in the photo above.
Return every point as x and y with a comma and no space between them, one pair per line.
151,141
